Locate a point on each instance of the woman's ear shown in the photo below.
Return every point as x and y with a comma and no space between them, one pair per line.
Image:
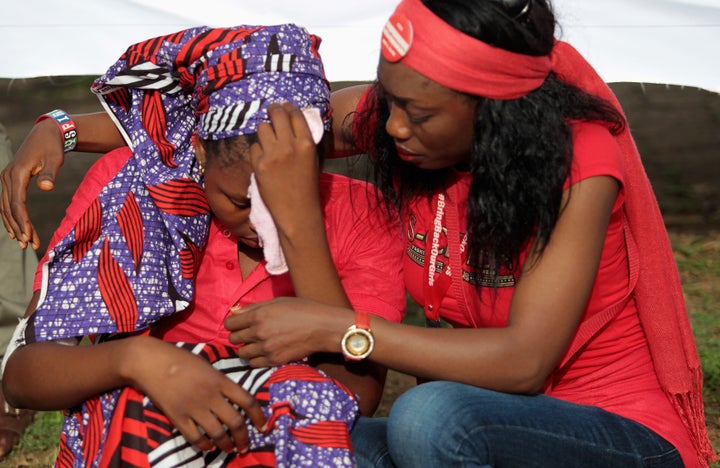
199,147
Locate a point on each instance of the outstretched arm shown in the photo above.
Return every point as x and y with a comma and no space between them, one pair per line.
547,306
41,155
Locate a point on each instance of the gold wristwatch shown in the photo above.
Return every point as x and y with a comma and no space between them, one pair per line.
358,341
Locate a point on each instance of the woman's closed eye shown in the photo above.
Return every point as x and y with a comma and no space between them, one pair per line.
414,115
418,119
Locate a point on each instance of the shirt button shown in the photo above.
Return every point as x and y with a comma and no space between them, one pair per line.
226,232
230,265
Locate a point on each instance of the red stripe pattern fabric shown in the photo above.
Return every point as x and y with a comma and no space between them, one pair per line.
213,82
116,291
131,225
309,415
87,230
180,197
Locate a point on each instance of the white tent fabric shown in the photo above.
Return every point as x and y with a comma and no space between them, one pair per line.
78,37
652,41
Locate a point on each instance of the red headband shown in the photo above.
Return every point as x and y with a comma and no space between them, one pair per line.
417,38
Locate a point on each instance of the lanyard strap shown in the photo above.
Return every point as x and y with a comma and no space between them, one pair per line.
437,285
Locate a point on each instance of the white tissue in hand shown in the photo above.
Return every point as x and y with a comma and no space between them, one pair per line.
315,123
260,215
266,231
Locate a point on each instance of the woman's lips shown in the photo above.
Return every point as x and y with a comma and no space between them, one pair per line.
407,156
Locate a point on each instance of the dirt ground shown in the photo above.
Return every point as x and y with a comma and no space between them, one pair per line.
676,129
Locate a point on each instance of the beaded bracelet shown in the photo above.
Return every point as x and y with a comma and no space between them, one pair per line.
66,125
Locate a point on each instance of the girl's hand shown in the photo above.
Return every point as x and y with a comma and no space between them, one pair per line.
286,167
41,155
197,398
286,329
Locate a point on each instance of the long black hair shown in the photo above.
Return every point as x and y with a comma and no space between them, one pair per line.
522,149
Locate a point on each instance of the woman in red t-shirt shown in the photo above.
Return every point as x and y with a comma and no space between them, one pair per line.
556,329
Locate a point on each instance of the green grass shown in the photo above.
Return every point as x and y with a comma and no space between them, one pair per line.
698,259
43,434
38,446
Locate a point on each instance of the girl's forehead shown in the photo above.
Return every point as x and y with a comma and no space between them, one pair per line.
233,179
229,151
238,167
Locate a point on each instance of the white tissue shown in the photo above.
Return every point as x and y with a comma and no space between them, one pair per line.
260,215
266,231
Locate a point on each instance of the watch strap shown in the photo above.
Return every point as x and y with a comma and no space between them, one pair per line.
358,342
362,320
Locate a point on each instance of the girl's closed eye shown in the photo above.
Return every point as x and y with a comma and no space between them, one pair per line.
243,203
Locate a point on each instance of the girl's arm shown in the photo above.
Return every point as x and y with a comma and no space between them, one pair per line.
286,168
547,305
41,155
186,388
284,156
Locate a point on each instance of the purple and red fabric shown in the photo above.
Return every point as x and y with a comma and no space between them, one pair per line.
132,257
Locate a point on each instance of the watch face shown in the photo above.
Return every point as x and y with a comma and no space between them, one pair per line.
358,344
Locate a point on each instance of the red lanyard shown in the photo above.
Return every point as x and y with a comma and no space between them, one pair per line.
436,285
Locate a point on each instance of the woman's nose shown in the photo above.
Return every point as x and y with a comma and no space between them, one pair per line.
396,125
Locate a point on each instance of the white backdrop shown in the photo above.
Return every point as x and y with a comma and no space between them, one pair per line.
651,41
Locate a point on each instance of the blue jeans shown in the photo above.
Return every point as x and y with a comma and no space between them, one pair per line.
443,424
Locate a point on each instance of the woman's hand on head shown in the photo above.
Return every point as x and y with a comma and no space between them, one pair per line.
286,329
286,167
41,155
197,398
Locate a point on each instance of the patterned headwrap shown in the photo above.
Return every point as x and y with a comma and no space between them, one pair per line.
132,256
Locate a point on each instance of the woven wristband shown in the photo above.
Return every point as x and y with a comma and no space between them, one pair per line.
66,125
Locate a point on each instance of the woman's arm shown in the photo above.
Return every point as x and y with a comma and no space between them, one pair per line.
41,155
188,390
343,103
547,305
